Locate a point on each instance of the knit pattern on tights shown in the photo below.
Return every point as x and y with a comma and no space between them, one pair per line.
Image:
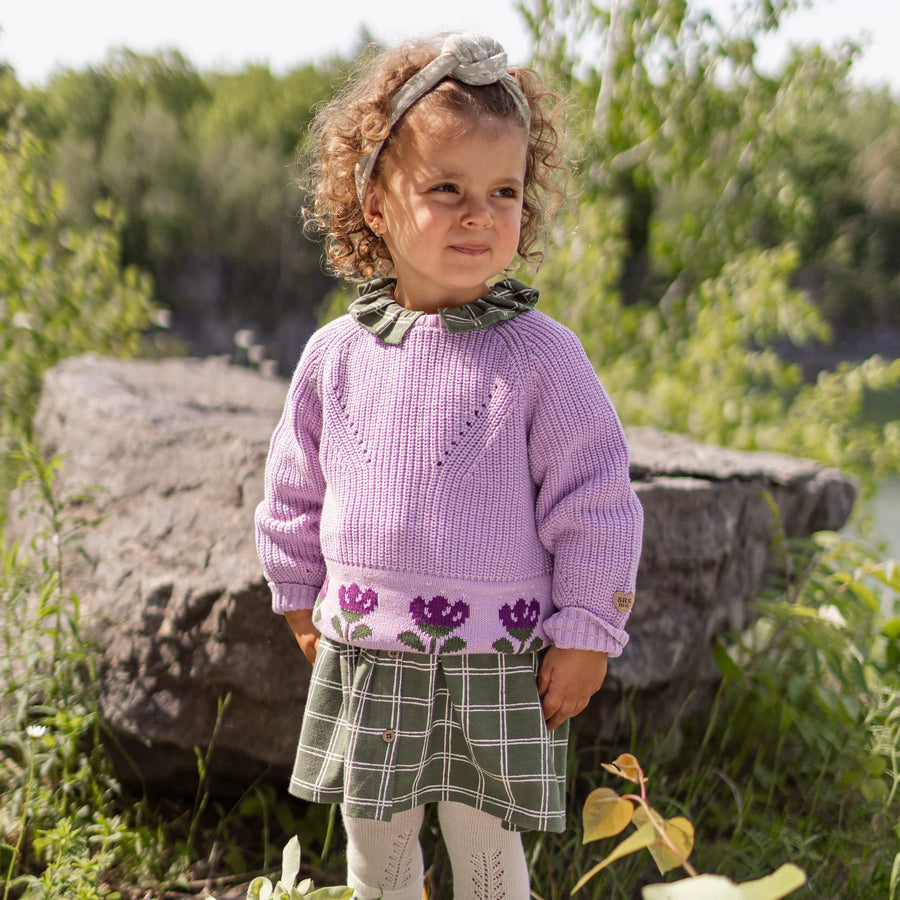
398,867
488,862
384,858
463,493
487,875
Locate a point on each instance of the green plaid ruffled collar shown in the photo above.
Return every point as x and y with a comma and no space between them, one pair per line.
378,312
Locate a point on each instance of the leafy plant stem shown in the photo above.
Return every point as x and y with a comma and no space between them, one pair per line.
203,761
659,828
23,819
329,833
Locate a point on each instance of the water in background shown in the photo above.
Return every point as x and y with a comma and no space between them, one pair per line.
886,517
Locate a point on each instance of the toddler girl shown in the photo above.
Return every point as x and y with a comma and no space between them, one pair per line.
448,522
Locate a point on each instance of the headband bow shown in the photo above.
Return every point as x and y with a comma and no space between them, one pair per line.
474,59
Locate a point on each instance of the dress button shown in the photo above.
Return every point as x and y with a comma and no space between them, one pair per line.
393,654
389,735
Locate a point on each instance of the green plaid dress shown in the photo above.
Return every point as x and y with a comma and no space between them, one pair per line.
386,731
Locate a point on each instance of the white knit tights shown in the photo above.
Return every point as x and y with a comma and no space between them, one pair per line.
488,861
384,859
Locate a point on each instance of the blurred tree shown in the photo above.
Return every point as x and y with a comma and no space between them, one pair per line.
11,95
274,110
119,132
245,142
146,167
244,145
201,167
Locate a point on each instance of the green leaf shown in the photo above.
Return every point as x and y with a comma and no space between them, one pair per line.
290,861
866,594
802,612
704,887
678,830
503,645
892,655
780,883
726,665
436,631
336,624
260,889
605,814
7,855
361,631
520,634
891,629
888,573
411,639
626,766
716,887
331,893
453,645
253,806
640,840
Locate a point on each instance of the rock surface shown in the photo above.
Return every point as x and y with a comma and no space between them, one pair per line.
174,598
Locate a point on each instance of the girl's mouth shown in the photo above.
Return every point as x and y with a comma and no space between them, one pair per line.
470,249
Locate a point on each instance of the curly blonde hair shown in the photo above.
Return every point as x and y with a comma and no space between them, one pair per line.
358,118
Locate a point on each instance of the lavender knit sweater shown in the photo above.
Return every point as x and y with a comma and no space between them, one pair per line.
459,493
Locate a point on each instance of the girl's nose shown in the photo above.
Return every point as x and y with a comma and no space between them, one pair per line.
478,214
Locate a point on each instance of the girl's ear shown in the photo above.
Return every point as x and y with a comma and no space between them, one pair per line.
372,209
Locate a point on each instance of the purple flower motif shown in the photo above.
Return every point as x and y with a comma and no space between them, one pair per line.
355,600
519,621
438,616
523,617
355,603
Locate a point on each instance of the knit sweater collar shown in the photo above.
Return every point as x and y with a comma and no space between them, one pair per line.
378,312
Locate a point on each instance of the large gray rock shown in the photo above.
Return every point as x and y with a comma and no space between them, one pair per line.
175,601
712,518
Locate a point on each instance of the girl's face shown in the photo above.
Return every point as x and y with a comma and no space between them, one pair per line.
448,204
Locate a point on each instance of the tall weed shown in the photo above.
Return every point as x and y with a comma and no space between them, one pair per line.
64,824
53,780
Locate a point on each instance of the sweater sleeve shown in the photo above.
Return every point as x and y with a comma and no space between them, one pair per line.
587,513
287,519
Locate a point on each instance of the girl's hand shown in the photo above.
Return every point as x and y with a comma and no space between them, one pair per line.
566,681
305,632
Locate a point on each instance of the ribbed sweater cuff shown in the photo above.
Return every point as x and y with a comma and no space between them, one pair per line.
288,597
581,630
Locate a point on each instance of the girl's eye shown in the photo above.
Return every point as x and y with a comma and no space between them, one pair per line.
446,188
507,193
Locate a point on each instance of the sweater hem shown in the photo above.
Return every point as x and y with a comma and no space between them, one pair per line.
425,613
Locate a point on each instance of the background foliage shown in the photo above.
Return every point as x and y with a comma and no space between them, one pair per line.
725,221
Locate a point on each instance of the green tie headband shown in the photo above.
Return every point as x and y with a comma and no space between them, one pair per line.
469,58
